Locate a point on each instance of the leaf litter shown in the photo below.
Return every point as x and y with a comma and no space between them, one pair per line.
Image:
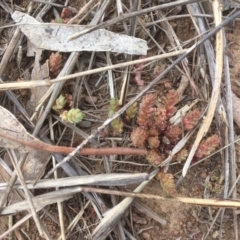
15,136
54,37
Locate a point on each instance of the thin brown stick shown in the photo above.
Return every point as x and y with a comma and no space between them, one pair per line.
42,146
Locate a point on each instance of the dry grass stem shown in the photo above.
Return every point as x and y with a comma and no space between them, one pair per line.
37,83
216,88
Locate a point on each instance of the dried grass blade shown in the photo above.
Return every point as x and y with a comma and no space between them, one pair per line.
76,219
41,200
28,196
112,217
61,78
60,207
109,179
216,88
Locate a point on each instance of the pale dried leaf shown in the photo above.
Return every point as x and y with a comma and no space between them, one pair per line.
41,201
35,163
52,36
13,135
106,179
39,72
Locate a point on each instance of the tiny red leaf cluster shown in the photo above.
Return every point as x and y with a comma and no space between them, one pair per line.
137,72
153,125
55,64
208,146
167,182
191,119
170,102
159,136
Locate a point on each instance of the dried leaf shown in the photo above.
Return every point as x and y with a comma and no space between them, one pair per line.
13,135
39,72
54,37
34,166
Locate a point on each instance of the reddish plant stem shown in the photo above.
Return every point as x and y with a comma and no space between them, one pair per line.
36,144
102,151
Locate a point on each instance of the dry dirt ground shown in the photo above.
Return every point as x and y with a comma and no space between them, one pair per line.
183,221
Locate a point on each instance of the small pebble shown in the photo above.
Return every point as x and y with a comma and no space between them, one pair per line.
146,236
85,124
215,234
175,232
91,99
189,224
203,175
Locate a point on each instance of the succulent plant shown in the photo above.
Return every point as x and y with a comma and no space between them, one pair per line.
59,103
59,20
208,146
182,155
173,132
73,116
147,111
154,158
171,100
191,119
117,126
139,137
111,113
55,63
153,142
66,13
131,111
167,183
113,105
155,132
